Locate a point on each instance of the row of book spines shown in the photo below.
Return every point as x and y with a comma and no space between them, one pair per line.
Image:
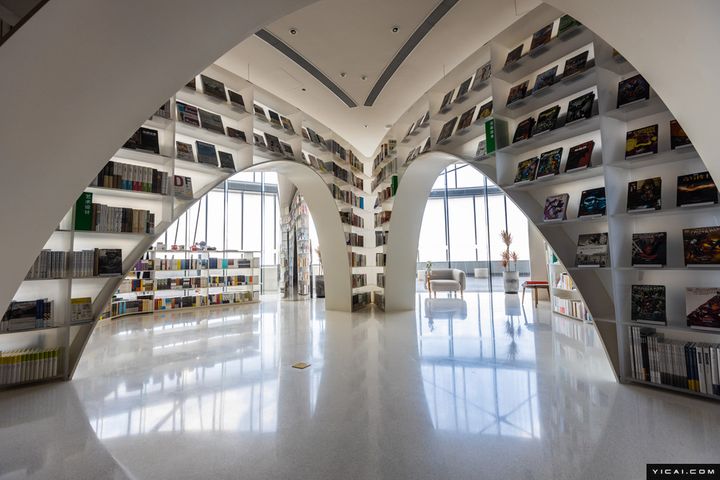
234,280
361,299
382,217
345,175
357,259
689,365
41,318
57,264
572,308
133,306
380,259
347,196
354,239
381,238
171,264
388,169
28,365
136,178
359,280
565,282
104,218
181,283
349,218
380,280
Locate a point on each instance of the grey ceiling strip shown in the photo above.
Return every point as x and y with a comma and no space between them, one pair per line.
409,46
309,67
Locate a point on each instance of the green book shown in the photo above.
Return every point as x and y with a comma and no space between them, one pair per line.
83,212
567,23
394,181
490,145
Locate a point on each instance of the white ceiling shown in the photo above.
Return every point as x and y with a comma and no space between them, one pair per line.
355,37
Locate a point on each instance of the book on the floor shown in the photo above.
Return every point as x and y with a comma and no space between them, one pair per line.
274,118
81,310
226,160
485,110
184,151
647,304
446,100
649,249
592,250
183,187
575,64
466,119
544,79
259,112
206,153
517,93
632,90
211,121
592,203
566,24
108,262
642,141
192,84
541,37
145,140
513,55
696,189
546,121
259,140
702,307
236,100
235,133
549,163
463,89
579,157
213,88
701,246
556,208
644,195
524,130
447,130
188,114
287,125
678,137
482,75
580,108
526,170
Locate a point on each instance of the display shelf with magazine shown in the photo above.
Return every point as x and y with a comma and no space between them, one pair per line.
559,134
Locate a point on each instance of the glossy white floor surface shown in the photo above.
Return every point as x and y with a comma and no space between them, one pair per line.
451,391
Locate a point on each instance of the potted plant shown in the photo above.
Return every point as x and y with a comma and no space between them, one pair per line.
511,279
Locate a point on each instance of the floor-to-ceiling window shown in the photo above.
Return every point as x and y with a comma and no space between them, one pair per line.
461,227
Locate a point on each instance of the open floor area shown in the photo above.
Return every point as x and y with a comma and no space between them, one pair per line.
480,388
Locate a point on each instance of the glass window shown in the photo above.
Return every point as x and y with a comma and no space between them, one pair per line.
271,229
468,177
432,244
482,228
518,226
215,219
496,206
462,229
251,221
235,220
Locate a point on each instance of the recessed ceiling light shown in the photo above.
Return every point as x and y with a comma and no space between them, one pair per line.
363,77
343,74
304,89
293,30
365,126
395,28
388,126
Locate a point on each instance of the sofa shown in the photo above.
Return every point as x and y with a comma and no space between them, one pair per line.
447,280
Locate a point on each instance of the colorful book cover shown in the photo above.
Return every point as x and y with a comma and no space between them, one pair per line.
580,108
592,203
631,90
547,119
485,110
526,170
678,137
108,262
206,153
211,121
647,304
702,307
274,118
447,130
575,64
592,250
567,23
188,114
213,88
463,89
466,119
490,139
183,187
556,208
549,163
84,212
701,246
541,37
236,99
184,151
524,130
642,141
259,112
482,75
644,195
144,139
517,93
259,140
696,189
513,55
545,79
579,157
649,249
446,100
287,125
226,160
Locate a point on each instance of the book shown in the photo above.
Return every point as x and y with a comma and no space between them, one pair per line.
427,146
226,160
678,137
566,24
236,100
447,130
649,249
696,189
144,139
632,90
549,163
546,120
423,122
556,208
211,121
411,129
482,75
485,110
644,195
183,187
541,37
259,112
188,114
84,212
579,156
575,64
108,262
234,133
526,170
580,108
592,203
513,56
192,85
206,153
273,143
524,130
287,125
463,89
446,101
592,250
287,150
647,304
274,118
517,93
702,307
466,119
641,142
163,111
481,149
259,140
701,246
81,310
545,79
184,151
213,88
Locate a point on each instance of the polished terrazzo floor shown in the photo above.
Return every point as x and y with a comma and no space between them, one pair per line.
478,389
